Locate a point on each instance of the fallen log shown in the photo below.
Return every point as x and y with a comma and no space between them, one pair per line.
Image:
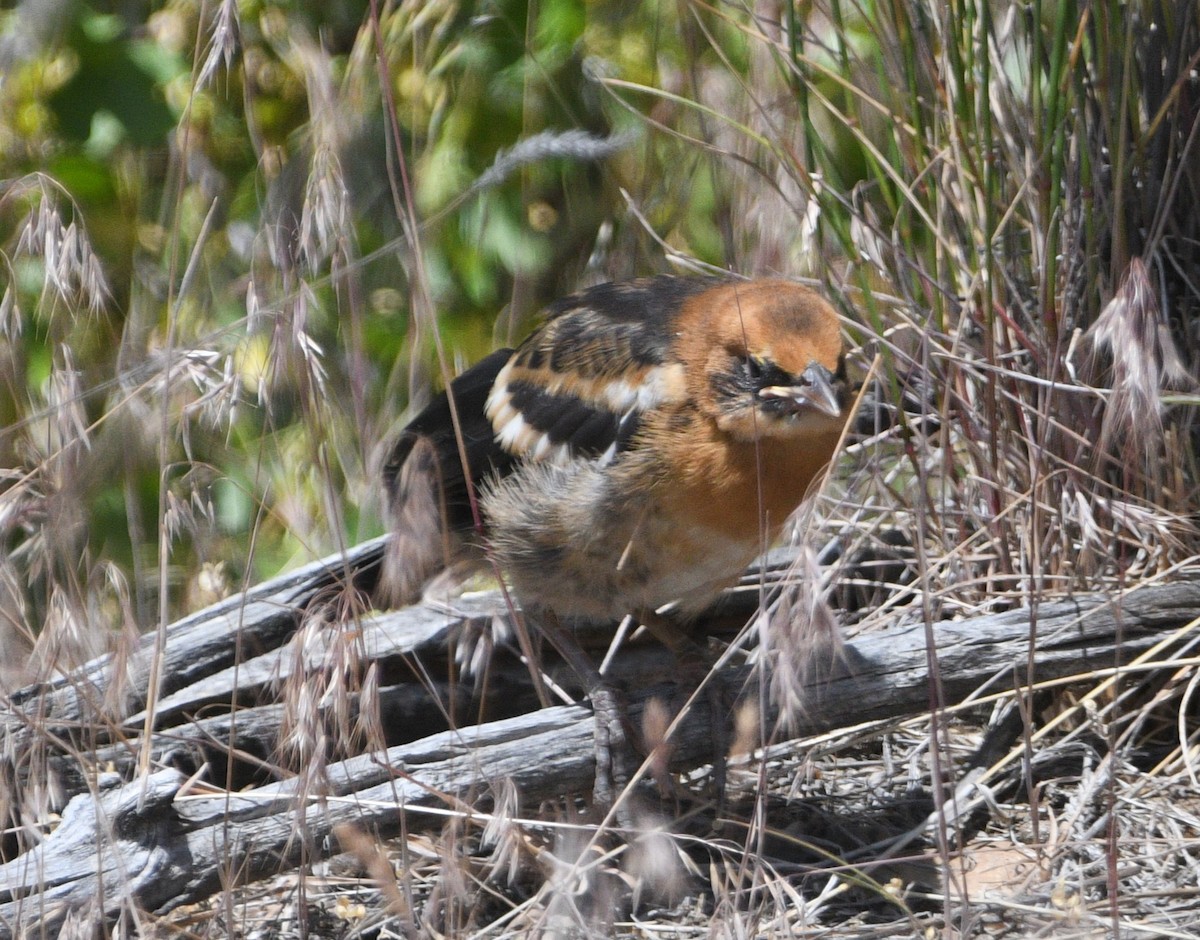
164,839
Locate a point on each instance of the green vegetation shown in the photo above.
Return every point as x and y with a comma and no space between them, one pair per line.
231,258
240,240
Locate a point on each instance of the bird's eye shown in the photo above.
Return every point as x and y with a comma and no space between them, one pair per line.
745,377
751,373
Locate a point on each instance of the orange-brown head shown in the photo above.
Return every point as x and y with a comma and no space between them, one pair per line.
764,359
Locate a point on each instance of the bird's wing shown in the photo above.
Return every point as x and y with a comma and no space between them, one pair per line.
427,450
428,495
577,386
581,383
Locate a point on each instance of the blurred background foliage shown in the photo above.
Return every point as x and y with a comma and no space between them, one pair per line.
241,239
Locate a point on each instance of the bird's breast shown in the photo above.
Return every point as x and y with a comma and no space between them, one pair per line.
745,490
598,541
584,541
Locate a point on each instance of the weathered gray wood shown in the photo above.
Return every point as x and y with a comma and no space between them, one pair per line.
141,843
882,676
196,646
107,851
397,633
236,650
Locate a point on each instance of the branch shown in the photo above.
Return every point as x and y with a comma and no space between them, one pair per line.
158,844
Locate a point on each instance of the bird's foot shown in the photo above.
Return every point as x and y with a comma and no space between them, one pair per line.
615,760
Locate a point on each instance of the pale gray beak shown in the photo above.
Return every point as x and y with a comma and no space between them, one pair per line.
819,391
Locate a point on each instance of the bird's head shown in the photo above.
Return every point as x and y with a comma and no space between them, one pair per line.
773,366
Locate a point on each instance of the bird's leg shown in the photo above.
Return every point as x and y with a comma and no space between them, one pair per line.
675,637
611,735
696,669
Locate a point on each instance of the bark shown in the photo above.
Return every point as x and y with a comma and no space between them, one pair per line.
159,839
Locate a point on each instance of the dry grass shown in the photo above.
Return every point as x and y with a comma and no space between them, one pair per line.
1002,197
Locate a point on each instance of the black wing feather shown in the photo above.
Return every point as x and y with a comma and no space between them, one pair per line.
609,331
435,424
609,327
614,332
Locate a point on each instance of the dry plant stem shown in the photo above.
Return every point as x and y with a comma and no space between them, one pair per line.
164,546
544,752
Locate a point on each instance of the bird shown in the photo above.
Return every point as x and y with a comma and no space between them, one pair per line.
639,449
636,452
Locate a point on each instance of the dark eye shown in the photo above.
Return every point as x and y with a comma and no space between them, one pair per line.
750,373
753,375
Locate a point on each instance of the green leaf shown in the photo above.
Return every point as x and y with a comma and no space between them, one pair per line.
115,76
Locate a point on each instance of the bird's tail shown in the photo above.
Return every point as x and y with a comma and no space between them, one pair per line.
422,543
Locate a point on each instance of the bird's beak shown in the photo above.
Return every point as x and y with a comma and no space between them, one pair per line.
818,391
